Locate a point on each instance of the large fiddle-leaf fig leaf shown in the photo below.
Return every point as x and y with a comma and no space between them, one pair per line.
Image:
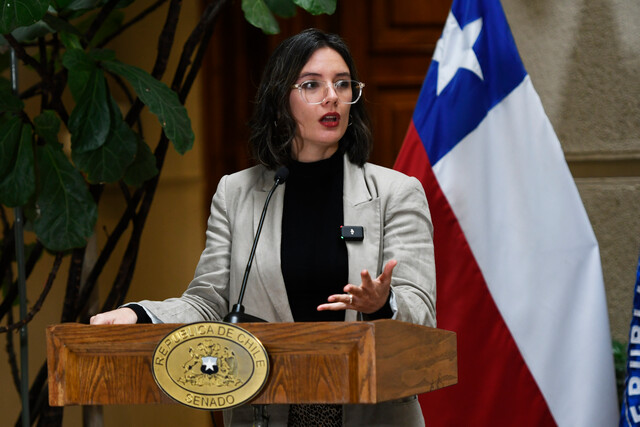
161,100
66,211
70,40
14,14
90,120
108,162
317,7
9,141
142,168
80,66
60,25
258,14
8,101
283,8
18,186
47,126
29,33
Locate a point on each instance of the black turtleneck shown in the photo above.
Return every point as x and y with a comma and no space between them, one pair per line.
314,258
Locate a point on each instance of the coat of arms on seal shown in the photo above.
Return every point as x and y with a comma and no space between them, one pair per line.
210,365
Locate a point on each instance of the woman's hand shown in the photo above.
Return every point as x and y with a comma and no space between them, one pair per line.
369,297
119,316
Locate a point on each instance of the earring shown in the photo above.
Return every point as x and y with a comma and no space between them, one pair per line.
350,120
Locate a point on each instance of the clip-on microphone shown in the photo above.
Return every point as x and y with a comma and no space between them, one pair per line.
237,314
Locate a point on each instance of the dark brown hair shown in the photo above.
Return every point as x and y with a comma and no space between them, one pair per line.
272,125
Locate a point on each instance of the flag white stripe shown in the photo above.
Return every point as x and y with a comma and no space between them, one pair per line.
515,199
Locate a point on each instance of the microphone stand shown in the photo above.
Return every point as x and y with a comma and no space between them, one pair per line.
237,314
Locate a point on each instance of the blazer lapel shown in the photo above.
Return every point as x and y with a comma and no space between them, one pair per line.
362,207
267,258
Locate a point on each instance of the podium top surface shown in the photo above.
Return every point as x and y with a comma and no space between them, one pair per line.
320,362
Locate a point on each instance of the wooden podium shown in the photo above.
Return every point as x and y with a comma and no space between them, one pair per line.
324,362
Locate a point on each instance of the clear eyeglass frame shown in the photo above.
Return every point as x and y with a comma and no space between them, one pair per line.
354,84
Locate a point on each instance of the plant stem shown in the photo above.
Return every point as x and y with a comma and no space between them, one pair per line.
136,19
38,305
11,295
11,355
202,49
102,16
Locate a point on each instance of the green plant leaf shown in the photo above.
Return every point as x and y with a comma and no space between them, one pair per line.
90,119
19,185
9,141
61,25
317,7
14,14
142,168
67,212
60,4
76,4
8,101
28,33
161,100
80,66
47,126
283,8
78,60
77,81
258,14
102,55
109,162
70,40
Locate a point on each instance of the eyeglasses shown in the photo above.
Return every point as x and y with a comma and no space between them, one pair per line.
316,91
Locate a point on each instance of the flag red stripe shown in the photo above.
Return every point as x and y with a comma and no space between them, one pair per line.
495,387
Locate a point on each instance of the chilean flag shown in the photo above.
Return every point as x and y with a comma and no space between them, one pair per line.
518,267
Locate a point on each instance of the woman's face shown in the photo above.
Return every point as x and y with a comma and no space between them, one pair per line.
320,126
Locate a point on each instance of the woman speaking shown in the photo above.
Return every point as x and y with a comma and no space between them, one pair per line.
310,117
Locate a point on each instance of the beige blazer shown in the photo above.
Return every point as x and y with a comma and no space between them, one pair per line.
390,206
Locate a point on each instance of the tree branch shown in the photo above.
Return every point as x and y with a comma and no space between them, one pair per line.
42,49
38,305
102,16
202,49
127,266
73,284
189,46
108,249
11,355
12,294
38,394
136,19
26,58
165,42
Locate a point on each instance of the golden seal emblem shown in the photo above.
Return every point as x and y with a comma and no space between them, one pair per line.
210,365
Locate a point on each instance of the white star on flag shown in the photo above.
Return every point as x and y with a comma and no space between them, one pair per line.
454,50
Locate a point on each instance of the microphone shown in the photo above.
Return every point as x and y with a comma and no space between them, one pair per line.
237,314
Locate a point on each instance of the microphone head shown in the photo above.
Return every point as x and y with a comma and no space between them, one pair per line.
281,174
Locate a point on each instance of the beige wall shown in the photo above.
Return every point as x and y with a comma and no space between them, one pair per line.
582,56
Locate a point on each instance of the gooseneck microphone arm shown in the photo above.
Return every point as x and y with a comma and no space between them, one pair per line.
237,314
